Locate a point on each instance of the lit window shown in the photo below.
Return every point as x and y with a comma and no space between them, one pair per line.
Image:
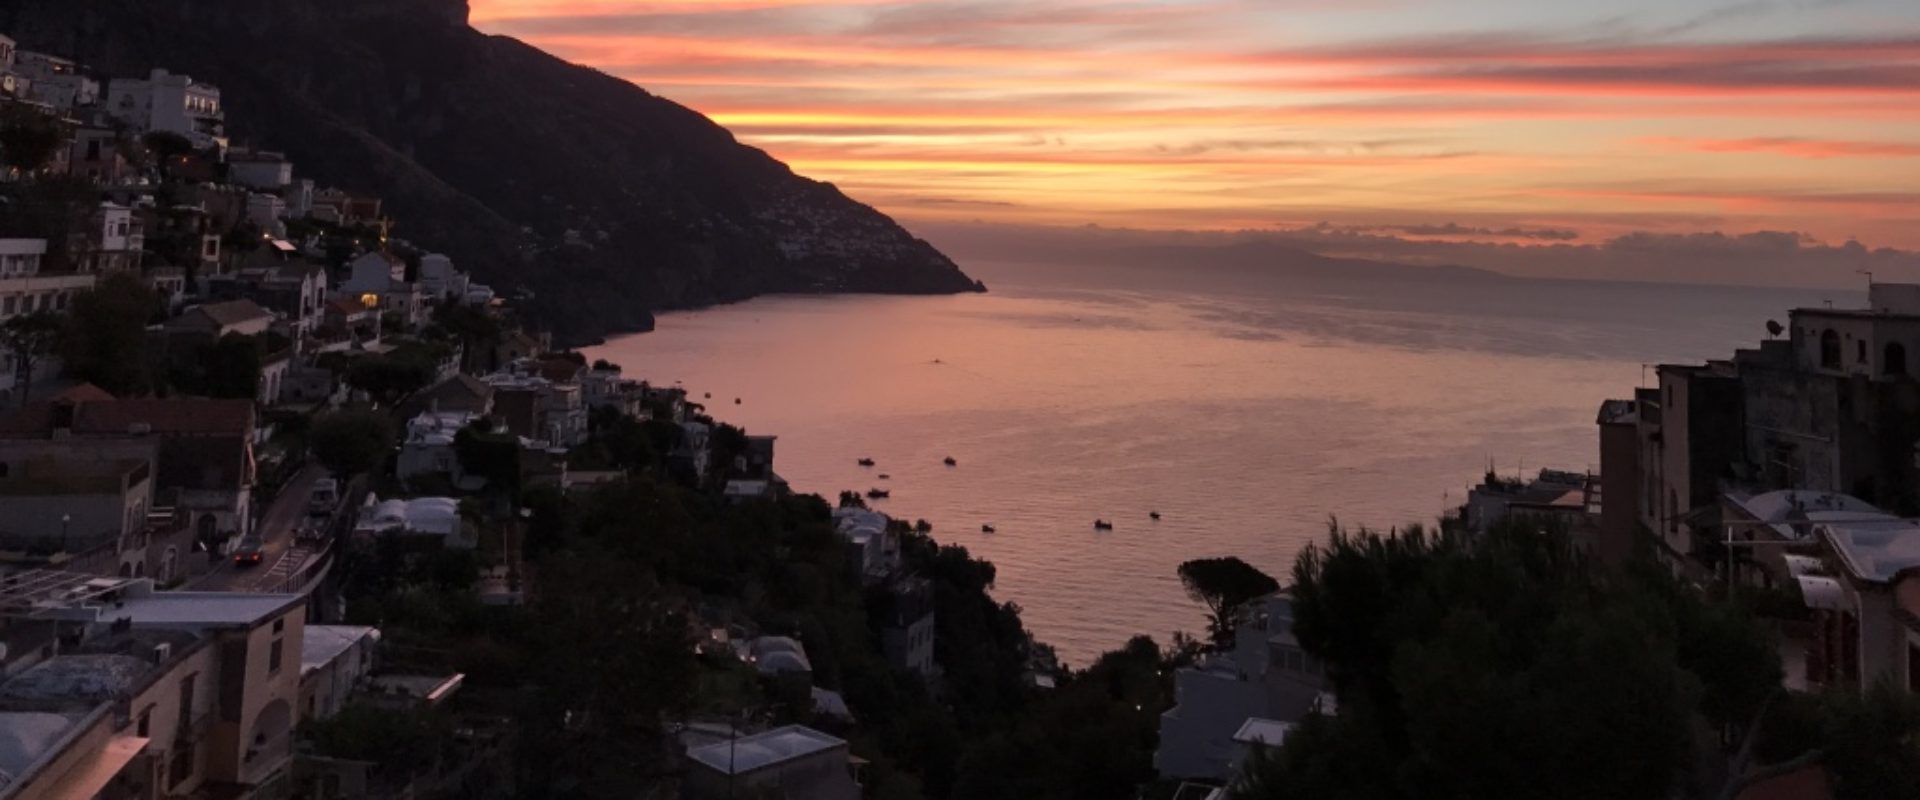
370,300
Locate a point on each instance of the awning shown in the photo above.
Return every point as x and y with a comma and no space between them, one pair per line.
92,774
1819,591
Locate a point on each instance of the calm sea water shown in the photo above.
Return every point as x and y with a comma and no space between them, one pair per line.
1248,412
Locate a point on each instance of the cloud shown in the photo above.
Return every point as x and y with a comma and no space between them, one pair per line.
1454,229
1796,147
1755,258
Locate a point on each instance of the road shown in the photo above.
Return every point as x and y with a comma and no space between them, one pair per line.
281,555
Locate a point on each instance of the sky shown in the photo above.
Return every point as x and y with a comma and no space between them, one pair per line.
1516,123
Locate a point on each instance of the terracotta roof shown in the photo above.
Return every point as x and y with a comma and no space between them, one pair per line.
167,416
229,313
346,306
560,370
83,393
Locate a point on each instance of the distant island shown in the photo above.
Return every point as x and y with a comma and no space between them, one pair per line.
591,200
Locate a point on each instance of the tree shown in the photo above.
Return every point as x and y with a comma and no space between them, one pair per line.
351,442
30,338
489,455
1573,682
387,378
105,341
226,368
167,149
28,138
1224,585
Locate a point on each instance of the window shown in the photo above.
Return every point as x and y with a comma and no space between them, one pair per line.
93,150
280,625
1860,351
186,697
1829,349
145,728
1893,360
180,768
274,657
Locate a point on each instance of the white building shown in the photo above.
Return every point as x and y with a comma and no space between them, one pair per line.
173,103
265,212
373,274
871,535
116,243
427,518
260,170
1266,677
793,762
23,290
55,81
428,447
333,661
438,278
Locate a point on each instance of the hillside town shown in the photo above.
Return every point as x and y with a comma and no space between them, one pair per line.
238,415
294,507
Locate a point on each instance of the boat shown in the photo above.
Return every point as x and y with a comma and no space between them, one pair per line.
709,395
884,476
986,529
866,462
878,494
1102,525
736,401
1153,515
952,463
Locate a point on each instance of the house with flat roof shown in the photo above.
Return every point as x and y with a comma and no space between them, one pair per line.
171,693
793,762
334,660
204,467
1868,621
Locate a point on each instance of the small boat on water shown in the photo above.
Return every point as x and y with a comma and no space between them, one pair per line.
866,462
884,476
1153,515
986,529
1102,525
736,401
878,494
951,463
709,395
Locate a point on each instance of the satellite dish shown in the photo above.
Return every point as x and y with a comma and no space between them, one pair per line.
1774,329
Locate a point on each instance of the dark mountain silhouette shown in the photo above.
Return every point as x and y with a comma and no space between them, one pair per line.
604,200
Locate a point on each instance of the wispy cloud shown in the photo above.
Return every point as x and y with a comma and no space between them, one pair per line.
1217,113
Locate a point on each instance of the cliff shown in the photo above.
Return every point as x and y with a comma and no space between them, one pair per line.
604,200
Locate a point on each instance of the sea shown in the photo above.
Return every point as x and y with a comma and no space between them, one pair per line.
1250,413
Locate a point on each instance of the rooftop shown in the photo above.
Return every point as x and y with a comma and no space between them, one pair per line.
201,608
1783,509
1262,731
760,750
1876,548
321,644
230,313
122,417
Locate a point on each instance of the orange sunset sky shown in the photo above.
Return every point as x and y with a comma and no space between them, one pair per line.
1544,120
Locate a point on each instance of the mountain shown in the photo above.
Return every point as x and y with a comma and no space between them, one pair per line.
604,200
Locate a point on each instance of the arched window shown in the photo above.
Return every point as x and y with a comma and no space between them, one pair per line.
1894,360
1830,349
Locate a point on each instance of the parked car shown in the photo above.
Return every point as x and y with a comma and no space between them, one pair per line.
325,498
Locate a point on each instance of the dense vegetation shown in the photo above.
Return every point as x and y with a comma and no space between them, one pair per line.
628,579
1510,665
